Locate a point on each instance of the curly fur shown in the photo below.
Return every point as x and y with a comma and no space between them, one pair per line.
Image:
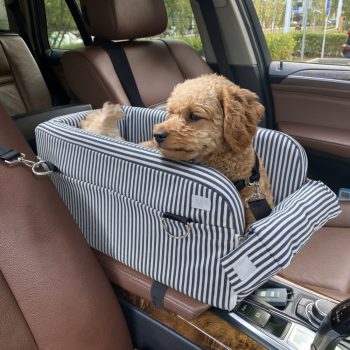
228,117
222,137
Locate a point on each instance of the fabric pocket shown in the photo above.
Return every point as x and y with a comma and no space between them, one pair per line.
183,255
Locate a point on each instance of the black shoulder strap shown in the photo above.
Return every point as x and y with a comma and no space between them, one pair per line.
122,69
211,21
8,153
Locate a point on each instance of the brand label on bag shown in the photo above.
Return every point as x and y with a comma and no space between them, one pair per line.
199,202
244,267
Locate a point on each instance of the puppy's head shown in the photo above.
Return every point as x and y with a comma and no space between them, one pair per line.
206,115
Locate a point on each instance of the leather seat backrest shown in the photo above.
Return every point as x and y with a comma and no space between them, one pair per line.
53,293
157,65
22,87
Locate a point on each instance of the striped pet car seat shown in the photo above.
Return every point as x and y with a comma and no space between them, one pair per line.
178,222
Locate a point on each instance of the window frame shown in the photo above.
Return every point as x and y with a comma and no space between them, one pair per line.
40,22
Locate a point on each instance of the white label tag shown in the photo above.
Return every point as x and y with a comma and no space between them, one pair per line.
244,267
199,202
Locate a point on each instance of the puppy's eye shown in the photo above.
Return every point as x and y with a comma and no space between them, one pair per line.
194,117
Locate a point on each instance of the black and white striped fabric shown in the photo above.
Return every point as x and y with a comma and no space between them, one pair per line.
124,197
273,241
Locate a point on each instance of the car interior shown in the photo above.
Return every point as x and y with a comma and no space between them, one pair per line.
57,292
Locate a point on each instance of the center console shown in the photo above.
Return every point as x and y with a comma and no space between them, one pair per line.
281,315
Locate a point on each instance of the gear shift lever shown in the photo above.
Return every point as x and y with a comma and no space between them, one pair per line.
334,327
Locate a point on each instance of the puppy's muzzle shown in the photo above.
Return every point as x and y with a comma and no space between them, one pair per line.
160,136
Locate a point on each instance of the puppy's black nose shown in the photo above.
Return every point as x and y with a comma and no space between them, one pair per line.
160,136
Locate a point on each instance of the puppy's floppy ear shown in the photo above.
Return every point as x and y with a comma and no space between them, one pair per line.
242,114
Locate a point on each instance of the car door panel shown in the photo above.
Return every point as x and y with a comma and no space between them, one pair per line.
314,112
312,106
329,140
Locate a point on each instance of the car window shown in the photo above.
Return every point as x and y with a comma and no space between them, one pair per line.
314,31
61,28
4,23
63,32
182,25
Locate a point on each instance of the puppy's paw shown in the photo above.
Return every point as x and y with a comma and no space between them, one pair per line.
112,111
104,121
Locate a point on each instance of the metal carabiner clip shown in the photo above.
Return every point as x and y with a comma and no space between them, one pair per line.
29,163
19,160
43,172
256,195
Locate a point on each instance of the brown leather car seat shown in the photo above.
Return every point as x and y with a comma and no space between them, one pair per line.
53,293
323,265
156,65
22,86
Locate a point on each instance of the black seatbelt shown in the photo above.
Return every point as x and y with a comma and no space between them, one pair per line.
122,69
212,23
74,10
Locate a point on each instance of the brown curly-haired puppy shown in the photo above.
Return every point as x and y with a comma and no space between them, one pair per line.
211,121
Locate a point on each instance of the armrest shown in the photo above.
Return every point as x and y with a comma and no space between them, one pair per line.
138,284
27,122
343,220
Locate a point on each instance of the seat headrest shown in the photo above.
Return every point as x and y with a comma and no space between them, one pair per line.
124,19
